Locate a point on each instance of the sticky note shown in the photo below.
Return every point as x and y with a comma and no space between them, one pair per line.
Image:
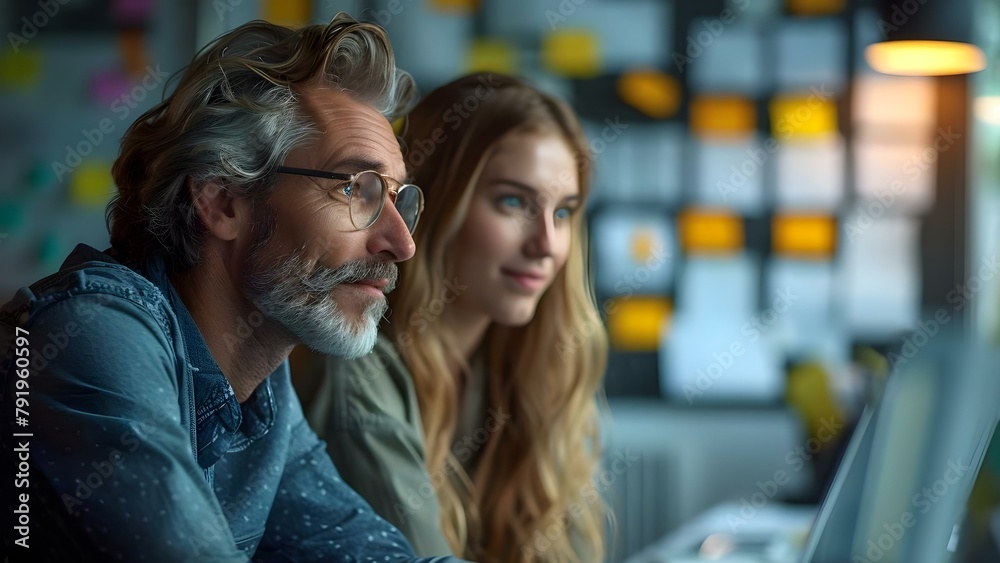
21,69
881,276
492,55
730,173
49,249
11,216
898,177
708,360
881,101
710,232
652,92
808,324
722,116
811,55
132,48
573,53
467,6
634,251
40,177
720,345
656,160
635,323
91,183
131,11
732,62
636,162
721,289
810,174
802,117
815,7
108,85
292,13
804,236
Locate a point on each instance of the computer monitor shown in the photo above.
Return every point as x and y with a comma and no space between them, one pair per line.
903,483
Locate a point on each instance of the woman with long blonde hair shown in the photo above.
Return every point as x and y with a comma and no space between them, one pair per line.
473,425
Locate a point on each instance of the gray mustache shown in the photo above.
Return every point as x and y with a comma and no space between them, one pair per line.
325,279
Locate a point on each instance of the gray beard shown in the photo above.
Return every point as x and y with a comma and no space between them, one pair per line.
300,300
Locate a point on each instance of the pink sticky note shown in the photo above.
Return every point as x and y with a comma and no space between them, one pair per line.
109,85
131,11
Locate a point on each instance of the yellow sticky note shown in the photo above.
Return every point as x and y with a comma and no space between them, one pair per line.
464,6
710,232
91,183
491,55
574,53
638,323
802,117
292,13
652,92
722,117
811,236
22,69
815,7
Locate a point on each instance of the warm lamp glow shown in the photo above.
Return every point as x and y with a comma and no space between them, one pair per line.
925,58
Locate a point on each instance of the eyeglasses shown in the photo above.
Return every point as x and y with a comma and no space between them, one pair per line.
365,193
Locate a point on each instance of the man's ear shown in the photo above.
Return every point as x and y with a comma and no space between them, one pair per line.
223,215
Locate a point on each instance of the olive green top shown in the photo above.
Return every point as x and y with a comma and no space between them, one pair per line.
367,412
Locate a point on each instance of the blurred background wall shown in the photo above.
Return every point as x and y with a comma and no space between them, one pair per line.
772,219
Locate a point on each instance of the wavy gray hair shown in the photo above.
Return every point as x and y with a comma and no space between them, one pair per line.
233,119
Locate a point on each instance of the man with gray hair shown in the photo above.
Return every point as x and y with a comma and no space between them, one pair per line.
146,388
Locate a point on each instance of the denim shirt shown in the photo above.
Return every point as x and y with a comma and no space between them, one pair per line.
135,448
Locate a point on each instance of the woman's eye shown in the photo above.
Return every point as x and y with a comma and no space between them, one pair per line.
564,213
511,201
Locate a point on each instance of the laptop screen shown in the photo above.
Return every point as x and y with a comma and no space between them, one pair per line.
903,483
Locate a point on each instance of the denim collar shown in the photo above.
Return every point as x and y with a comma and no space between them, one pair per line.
222,424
